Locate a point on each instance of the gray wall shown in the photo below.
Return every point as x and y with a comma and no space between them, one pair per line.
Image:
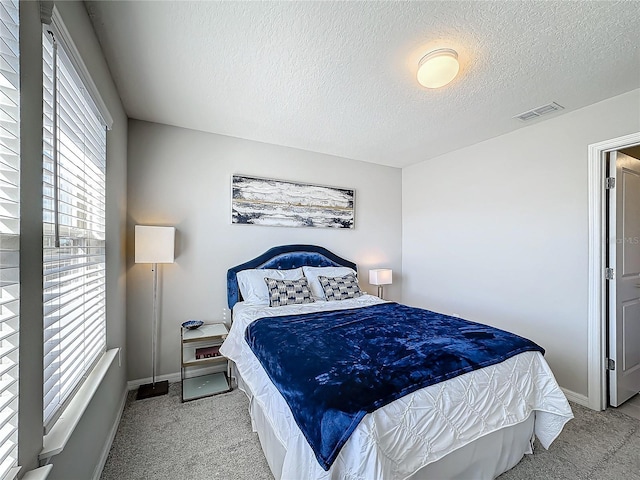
88,444
183,178
498,232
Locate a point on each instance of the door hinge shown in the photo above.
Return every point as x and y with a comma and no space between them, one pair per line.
611,364
609,273
610,182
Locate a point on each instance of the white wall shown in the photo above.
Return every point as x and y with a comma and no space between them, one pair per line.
498,232
91,439
182,177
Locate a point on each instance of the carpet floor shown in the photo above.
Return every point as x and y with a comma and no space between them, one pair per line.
211,438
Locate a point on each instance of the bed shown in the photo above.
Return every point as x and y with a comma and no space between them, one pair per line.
477,424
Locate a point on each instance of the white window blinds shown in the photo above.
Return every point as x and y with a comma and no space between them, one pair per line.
74,171
9,235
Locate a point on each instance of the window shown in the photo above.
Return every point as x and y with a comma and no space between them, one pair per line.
9,235
74,171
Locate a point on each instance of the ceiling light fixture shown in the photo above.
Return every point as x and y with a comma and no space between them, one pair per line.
438,68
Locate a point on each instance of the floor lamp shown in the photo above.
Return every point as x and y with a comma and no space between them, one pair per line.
154,245
380,277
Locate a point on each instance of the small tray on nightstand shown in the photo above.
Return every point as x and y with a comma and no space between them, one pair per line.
208,331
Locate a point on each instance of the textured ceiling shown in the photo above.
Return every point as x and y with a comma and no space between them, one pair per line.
339,77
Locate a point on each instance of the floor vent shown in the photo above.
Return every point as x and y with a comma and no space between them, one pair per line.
538,112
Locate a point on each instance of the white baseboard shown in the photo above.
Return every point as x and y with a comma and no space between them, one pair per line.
576,397
171,377
175,377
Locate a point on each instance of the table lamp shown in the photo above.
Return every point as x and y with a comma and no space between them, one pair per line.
380,277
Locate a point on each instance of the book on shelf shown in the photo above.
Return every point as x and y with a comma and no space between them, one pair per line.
207,352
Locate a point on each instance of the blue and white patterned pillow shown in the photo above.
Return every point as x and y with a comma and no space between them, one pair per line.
340,288
288,292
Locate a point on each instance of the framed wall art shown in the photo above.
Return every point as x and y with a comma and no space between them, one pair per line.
282,203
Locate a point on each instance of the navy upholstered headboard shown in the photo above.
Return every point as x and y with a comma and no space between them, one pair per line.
284,257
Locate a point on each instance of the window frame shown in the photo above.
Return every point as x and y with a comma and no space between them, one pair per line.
9,236
74,67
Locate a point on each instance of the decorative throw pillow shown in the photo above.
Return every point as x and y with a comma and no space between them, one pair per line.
252,286
288,292
312,274
340,288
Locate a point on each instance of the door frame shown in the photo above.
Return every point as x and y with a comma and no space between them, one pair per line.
597,315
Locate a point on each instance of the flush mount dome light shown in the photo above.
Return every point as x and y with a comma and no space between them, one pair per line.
438,68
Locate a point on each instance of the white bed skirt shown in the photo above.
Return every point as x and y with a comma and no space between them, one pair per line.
485,458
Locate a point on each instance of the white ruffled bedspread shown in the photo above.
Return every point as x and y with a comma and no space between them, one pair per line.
417,429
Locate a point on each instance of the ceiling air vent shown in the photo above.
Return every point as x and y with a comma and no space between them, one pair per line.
538,112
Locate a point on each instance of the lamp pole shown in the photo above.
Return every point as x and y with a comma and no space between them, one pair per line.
154,324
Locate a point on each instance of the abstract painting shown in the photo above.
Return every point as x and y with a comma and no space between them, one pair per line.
281,203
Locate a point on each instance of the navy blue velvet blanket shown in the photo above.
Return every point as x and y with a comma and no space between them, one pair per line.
332,368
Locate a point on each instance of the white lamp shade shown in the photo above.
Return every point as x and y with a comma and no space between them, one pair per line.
380,276
438,68
154,244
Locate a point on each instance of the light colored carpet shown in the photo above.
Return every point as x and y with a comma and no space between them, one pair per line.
592,446
164,439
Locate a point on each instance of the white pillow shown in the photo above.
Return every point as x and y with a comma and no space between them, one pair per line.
253,288
312,274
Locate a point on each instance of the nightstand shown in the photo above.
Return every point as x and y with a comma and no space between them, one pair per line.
203,341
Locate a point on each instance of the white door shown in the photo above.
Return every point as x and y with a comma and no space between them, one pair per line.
624,288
